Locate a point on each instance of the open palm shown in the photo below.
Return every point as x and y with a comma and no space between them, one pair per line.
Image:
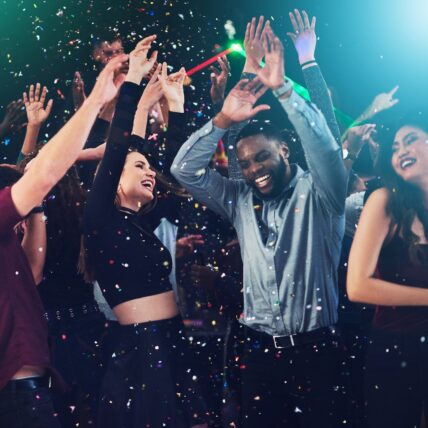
37,113
239,104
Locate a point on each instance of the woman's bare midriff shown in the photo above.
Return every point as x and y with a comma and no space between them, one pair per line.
151,308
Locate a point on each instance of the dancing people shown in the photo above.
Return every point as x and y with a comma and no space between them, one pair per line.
388,267
147,382
290,247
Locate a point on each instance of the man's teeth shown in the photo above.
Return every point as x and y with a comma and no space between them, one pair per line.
406,163
262,180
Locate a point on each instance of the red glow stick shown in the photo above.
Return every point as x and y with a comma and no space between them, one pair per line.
208,62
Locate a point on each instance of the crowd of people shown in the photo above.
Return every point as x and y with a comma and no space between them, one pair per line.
121,227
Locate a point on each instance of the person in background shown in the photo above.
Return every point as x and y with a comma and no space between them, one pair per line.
388,267
25,367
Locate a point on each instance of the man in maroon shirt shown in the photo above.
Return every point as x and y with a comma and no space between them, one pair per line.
25,401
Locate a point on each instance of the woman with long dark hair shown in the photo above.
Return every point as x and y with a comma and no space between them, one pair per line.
388,267
148,382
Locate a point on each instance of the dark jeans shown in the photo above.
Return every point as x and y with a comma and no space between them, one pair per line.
76,346
295,387
27,409
396,381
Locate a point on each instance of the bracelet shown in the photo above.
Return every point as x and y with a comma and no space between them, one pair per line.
312,62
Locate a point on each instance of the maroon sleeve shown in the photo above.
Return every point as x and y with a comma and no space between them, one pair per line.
9,216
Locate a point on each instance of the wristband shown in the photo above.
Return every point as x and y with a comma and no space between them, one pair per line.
312,62
287,86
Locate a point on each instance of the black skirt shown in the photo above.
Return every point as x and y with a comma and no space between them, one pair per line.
149,381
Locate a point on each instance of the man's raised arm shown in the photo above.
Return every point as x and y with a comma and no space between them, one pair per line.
191,165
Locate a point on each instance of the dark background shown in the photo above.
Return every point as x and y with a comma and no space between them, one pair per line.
365,47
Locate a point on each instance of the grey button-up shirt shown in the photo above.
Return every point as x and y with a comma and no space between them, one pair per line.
290,283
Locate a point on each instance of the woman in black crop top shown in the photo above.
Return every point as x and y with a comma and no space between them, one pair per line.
149,382
388,267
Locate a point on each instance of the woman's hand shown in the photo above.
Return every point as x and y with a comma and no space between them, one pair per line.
34,102
139,65
172,87
304,37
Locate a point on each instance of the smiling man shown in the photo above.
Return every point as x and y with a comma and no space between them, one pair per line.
290,225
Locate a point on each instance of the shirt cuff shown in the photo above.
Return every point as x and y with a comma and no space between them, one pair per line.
293,102
212,130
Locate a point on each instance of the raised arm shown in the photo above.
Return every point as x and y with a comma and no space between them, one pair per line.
323,153
381,102
37,114
254,51
61,152
101,198
305,42
190,167
372,232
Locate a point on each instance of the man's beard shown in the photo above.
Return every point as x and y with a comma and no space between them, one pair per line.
278,176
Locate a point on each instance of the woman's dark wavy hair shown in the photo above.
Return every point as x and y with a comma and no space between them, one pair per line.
164,185
64,207
405,199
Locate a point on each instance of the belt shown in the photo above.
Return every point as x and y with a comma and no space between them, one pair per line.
27,384
71,312
292,340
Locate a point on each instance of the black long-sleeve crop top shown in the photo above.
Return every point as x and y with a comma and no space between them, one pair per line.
128,260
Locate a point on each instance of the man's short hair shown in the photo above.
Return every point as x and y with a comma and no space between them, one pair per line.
269,131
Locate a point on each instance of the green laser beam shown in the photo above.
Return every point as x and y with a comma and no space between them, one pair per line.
301,90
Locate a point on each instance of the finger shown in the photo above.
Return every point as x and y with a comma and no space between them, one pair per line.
259,27
153,58
155,75
394,101
294,22
260,91
393,90
31,93
313,22
49,107
306,20
37,92
241,84
224,68
292,36
43,95
252,28
265,43
147,41
299,20
182,75
258,109
255,83
116,63
164,73
216,71
247,34
25,99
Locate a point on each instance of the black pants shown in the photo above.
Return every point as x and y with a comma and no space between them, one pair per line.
396,381
295,387
150,381
27,409
76,347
